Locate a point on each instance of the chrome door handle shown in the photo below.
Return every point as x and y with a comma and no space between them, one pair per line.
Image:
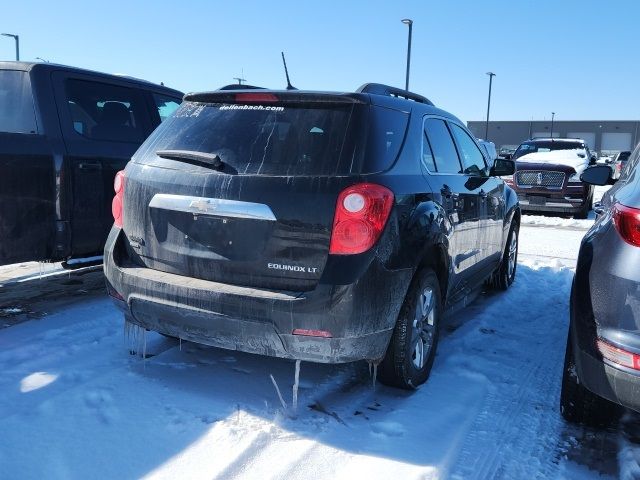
447,192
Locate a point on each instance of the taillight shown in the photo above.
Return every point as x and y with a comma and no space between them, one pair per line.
362,211
118,200
627,222
619,356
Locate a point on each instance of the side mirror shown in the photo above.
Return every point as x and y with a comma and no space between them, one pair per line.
593,160
502,167
598,175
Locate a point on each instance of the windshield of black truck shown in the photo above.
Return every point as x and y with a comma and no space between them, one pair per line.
17,114
532,147
270,139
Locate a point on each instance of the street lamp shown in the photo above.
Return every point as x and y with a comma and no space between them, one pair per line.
486,129
42,59
553,114
17,39
409,22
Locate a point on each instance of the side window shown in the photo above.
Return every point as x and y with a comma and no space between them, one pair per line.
17,113
101,111
427,155
471,156
166,105
444,151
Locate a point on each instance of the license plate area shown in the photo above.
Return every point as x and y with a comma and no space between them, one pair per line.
536,200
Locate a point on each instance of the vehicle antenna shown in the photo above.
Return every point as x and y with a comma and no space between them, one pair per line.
286,72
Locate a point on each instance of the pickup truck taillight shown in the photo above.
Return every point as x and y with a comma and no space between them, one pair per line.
362,211
627,222
118,200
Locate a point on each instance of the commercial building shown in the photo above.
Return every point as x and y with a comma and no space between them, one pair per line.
606,135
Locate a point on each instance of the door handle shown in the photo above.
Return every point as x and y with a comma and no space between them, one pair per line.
90,166
448,193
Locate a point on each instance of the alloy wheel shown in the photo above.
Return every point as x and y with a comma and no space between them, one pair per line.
423,328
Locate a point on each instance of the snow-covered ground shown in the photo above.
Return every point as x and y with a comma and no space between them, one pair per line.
76,404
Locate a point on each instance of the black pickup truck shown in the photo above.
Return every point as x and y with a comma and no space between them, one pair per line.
64,133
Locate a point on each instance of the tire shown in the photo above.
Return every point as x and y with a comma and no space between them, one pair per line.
506,273
414,341
579,405
583,213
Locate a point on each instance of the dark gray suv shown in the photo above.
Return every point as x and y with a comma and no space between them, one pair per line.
602,362
325,227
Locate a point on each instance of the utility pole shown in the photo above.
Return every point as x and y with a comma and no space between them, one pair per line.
486,129
240,79
17,39
409,22
553,114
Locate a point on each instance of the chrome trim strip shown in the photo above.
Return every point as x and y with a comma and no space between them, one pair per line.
219,207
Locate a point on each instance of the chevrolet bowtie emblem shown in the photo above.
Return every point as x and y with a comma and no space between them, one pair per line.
202,205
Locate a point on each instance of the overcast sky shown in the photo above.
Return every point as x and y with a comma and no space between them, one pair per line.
577,58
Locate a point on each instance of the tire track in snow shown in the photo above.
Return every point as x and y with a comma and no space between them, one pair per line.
516,434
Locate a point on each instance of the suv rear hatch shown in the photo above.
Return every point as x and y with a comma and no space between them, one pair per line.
241,187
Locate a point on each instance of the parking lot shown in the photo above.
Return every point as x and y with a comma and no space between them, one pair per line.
78,403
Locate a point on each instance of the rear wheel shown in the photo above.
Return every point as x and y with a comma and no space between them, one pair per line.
412,349
506,273
580,405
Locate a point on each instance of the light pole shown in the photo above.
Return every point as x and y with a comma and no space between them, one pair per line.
409,22
486,128
42,59
17,39
553,114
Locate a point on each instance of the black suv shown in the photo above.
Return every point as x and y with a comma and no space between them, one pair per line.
64,133
328,227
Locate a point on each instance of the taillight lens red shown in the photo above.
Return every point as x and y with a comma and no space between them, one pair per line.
627,222
118,201
362,211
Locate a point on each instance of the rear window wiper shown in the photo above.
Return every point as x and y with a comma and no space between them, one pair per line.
203,158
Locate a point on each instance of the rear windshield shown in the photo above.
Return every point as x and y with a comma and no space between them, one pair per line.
532,147
293,139
17,114
277,139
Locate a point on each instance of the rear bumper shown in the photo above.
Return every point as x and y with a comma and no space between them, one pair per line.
359,316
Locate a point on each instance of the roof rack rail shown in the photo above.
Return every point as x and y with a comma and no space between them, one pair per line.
380,89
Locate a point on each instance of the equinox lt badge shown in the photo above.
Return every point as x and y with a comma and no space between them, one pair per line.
291,268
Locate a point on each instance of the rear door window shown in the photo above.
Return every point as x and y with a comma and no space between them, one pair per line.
101,111
17,110
444,151
166,105
270,139
472,158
